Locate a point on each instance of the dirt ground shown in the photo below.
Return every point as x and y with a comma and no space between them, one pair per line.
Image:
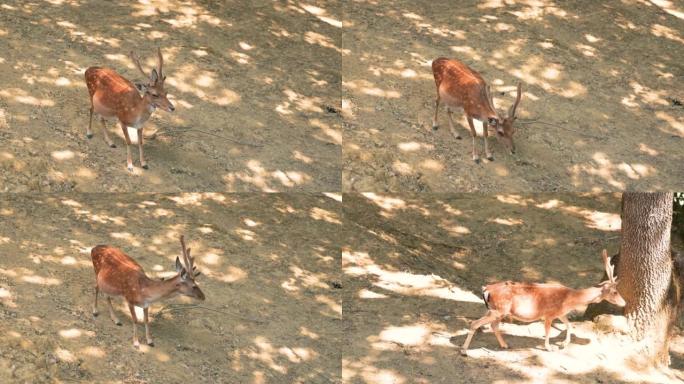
270,265
413,267
256,85
602,94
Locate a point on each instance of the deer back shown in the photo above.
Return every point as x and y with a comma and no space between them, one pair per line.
461,85
117,273
526,301
114,91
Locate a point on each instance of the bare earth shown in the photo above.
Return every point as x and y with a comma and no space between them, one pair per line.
602,94
413,267
271,275
256,85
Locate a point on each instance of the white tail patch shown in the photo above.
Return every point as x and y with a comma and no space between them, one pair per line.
133,135
479,127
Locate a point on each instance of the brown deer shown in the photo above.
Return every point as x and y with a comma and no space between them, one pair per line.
460,86
111,95
119,275
529,302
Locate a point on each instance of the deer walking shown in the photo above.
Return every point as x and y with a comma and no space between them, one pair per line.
530,302
460,86
111,95
119,275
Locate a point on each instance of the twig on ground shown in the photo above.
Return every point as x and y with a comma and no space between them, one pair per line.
171,132
181,307
559,126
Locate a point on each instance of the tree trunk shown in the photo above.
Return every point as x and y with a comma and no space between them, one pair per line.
645,271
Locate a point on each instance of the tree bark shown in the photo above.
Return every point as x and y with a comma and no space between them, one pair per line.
645,271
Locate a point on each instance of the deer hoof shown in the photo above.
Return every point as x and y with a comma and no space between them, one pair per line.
89,135
95,314
112,145
130,168
490,158
145,166
464,352
118,323
435,127
150,343
476,160
136,344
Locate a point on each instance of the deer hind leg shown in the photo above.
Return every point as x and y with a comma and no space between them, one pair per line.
485,134
473,133
95,311
129,160
143,163
112,315
89,131
568,331
136,343
106,135
147,329
434,117
451,124
490,317
499,338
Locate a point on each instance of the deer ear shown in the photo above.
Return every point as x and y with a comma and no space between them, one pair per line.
179,266
154,76
141,87
198,273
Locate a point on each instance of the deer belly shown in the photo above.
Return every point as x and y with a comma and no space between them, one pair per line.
109,289
101,108
525,309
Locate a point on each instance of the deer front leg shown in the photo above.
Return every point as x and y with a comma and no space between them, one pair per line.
112,315
106,135
143,163
434,118
89,132
451,124
547,329
565,321
485,133
136,343
489,317
129,160
499,338
95,311
473,133
147,329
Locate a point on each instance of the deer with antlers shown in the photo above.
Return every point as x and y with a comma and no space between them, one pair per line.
117,274
530,302
111,95
460,86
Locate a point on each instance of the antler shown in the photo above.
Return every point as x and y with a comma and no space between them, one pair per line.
511,110
187,259
136,61
161,64
609,268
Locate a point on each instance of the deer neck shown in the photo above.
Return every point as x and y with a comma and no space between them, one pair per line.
580,298
143,109
156,290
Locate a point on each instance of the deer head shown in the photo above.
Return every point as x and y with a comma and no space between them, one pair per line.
504,126
154,89
609,290
187,272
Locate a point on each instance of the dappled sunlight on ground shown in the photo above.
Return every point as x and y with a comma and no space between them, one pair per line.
270,271
413,287
585,114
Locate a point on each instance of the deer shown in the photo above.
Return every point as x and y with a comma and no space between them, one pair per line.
460,86
117,274
113,96
530,302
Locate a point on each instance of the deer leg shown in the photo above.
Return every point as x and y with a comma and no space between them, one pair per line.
434,118
112,315
147,329
499,338
95,311
473,133
451,124
143,163
485,133
547,329
129,160
136,343
568,331
106,135
89,132
489,317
